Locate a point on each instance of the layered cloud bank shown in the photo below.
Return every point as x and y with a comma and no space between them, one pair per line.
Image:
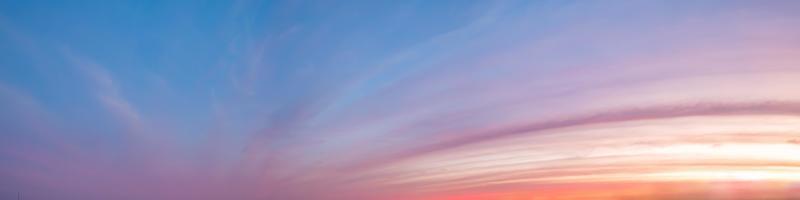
405,100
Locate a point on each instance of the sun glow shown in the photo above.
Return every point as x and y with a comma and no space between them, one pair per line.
707,150
765,174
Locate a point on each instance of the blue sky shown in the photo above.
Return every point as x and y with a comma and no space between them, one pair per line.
282,99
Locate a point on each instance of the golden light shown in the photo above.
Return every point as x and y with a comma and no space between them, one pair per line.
705,150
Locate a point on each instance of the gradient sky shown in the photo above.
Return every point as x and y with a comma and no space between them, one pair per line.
334,100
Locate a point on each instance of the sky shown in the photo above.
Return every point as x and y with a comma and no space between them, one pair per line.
385,100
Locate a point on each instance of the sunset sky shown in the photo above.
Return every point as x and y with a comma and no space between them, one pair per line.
399,100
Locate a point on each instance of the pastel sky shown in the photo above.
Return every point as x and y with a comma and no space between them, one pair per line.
384,100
